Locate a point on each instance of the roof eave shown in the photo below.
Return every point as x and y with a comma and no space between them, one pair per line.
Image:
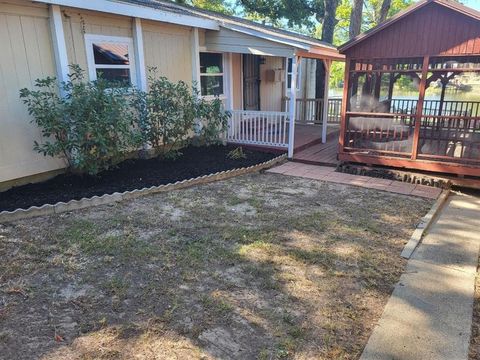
138,11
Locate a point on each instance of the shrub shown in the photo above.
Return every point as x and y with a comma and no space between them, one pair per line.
166,113
214,120
169,115
92,126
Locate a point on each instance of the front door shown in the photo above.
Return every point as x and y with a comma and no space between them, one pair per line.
251,82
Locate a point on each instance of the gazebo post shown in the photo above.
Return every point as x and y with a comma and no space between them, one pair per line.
293,100
419,112
327,64
343,113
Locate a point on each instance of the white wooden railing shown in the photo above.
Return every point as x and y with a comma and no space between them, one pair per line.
267,128
310,111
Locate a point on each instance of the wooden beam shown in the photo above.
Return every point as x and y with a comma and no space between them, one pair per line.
321,54
139,54
59,45
419,113
327,64
426,165
195,59
343,114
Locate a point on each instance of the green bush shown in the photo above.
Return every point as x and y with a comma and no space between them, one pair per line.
92,126
96,123
166,113
169,114
214,120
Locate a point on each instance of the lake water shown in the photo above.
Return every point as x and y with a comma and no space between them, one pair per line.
431,94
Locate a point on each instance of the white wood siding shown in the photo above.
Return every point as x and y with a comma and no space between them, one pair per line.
26,56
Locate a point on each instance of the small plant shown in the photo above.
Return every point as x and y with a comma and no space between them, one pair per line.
214,119
91,126
237,154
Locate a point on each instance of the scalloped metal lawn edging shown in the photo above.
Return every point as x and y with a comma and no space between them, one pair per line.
60,207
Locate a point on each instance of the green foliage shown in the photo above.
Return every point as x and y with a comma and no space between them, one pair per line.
91,126
211,5
214,120
169,113
96,123
166,113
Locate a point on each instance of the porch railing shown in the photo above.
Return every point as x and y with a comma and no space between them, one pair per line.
310,111
265,128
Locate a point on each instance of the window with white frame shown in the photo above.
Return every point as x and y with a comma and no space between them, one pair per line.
211,74
110,58
289,74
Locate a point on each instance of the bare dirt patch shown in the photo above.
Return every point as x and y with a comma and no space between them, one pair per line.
262,266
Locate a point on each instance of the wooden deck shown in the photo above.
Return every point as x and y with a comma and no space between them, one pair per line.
318,153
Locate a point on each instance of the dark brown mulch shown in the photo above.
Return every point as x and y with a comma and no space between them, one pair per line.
130,175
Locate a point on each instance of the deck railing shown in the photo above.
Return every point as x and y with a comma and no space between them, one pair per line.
265,128
454,139
310,111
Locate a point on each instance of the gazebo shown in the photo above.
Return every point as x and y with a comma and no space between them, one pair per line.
408,99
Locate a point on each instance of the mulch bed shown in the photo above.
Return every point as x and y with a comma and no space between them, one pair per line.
130,175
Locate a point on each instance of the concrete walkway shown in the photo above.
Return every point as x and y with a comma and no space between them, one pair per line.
429,314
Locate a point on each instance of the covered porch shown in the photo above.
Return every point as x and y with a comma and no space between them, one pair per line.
288,119
274,83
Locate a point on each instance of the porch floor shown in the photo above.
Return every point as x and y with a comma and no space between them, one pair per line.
308,135
314,152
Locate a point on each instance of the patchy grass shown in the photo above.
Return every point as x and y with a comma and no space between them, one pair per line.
257,267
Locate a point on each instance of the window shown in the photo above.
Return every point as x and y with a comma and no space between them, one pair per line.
110,58
289,74
211,74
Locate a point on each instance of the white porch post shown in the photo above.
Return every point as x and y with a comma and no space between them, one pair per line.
59,46
139,54
325,100
293,100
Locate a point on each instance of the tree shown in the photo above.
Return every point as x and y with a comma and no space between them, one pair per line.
356,18
329,20
384,10
212,5
302,13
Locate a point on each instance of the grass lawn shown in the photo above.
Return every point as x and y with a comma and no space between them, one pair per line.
262,266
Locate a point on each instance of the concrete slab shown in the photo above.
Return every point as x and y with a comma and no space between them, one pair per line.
454,237
429,314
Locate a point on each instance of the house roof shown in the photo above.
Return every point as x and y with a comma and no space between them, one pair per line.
465,10
168,11
309,46
232,20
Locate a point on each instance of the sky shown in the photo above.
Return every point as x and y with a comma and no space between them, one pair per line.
472,3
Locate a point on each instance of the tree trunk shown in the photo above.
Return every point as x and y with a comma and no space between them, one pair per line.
384,11
356,18
329,20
